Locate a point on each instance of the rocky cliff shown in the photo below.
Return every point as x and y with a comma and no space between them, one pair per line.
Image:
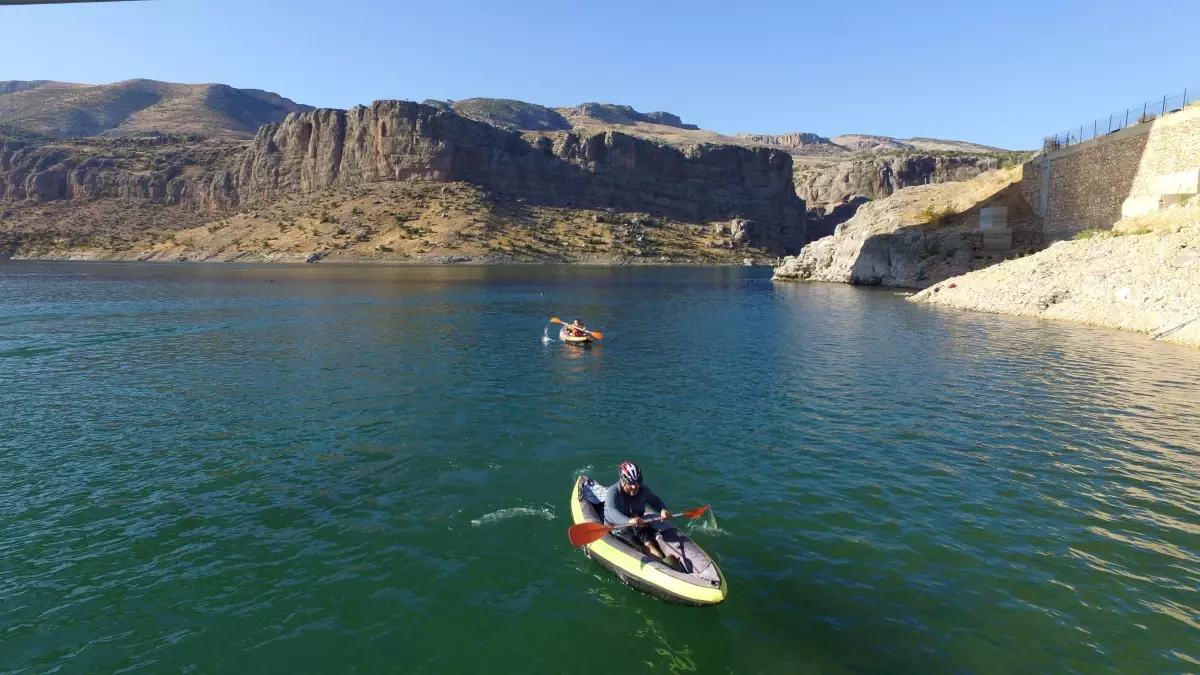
400,141
506,113
194,174
799,141
875,177
917,236
622,115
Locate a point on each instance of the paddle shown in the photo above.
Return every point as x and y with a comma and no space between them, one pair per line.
586,533
594,333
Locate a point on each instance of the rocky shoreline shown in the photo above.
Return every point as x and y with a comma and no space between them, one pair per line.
916,237
1140,279
335,258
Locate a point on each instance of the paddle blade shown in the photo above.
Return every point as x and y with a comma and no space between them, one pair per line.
586,533
597,334
695,513
555,319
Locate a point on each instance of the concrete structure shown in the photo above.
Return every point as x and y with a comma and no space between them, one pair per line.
1129,172
993,222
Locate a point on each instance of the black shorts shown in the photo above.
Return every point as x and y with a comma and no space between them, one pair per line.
636,537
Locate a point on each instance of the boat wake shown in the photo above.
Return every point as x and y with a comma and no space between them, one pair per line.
708,525
546,339
505,514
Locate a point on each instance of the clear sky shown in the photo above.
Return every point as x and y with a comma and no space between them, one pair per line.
999,73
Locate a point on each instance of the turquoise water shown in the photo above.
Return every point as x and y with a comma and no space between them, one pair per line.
319,469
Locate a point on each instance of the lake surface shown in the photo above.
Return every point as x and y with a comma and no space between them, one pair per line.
317,469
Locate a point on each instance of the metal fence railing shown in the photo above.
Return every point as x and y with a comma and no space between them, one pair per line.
1102,126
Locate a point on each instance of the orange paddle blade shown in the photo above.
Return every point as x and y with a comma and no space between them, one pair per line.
555,319
695,513
586,533
597,334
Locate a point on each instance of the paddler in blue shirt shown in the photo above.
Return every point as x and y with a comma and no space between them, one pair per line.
626,502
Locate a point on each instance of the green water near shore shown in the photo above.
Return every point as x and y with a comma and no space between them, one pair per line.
366,470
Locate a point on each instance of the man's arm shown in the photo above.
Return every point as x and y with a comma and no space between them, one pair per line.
613,516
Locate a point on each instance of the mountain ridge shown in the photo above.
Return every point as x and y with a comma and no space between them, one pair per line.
57,109
139,107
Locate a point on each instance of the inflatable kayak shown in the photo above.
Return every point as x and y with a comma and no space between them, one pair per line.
566,337
701,581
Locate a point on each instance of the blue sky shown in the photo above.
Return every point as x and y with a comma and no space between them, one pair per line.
1000,73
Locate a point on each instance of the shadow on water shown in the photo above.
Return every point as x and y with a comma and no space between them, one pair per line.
823,632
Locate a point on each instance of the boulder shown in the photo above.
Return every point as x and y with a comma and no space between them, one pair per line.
741,230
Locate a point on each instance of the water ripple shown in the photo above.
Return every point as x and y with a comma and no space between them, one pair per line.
358,468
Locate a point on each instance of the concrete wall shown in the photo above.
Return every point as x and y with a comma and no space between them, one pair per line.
1089,185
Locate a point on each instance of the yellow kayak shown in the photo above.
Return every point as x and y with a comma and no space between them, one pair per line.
700,583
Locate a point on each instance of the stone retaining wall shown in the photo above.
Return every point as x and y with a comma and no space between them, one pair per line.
1087,186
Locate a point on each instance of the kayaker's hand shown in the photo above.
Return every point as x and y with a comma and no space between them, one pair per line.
636,521
666,515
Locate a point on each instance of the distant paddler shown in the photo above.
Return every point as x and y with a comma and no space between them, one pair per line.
575,332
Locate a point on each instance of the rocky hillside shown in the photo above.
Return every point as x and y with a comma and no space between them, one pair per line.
398,140
622,115
589,156
865,143
522,116
1144,276
878,176
917,236
829,173
506,113
416,221
136,107
834,175
732,198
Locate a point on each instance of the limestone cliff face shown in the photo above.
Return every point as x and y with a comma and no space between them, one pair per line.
916,237
878,177
399,140
794,141
880,245
623,115
51,173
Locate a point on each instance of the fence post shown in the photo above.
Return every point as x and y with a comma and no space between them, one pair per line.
1109,125
1094,123
1144,111
1126,118
1164,112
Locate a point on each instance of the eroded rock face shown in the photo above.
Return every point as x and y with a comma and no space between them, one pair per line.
879,177
51,173
625,115
792,141
400,140
822,221
906,258
875,248
891,242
